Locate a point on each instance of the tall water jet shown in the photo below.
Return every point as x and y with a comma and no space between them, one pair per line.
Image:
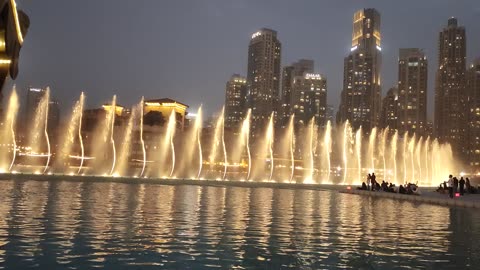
172,121
327,142
198,129
38,132
418,155
142,142
217,140
47,94
111,122
225,161
246,134
269,140
371,148
404,156
241,144
382,151
8,133
394,156
345,149
80,139
122,163
358,151
309,151
291,139
411,150
426,149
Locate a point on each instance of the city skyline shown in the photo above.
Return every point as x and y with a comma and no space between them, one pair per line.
172,77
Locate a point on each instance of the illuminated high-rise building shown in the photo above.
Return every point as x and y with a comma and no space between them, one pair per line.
288,75
360,102
263,76
473,115
449,125
309,99
412,91
34,96
235,101
389,113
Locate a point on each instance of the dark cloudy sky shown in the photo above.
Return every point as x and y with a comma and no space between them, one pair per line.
187,50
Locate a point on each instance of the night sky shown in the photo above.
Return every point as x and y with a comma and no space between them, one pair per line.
187,50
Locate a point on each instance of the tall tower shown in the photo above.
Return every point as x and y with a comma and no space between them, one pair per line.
263,76
235,101
389,114
288,75
361,95
450,86
473,115
412,91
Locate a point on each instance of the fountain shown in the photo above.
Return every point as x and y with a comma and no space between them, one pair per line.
8,140
113,141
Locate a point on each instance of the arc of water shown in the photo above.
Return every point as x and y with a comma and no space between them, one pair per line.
112,141
270,145
80,139
142,142
46,129
312,131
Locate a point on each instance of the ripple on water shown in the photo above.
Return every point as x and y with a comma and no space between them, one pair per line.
66,225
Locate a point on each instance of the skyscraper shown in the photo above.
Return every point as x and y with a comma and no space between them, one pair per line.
309,98
34,95
449,119
288,75
361,95
235,101
473,114
263,76
412,91
389,114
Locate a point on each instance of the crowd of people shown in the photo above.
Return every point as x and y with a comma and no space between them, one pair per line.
454,186
373,185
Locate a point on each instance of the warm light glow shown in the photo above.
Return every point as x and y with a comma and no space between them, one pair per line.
17,22
5,61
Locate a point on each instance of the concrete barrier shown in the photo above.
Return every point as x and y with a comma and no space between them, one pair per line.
416,198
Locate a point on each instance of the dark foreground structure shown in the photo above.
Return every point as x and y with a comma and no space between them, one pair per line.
13,27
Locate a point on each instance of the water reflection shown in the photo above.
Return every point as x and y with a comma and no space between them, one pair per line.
79,225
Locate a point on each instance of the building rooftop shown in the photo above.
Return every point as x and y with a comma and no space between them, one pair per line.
165,100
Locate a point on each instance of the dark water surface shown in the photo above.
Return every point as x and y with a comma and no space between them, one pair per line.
81,225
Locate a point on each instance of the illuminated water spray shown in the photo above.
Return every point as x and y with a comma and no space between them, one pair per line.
404,155
142,142
112,125
418,154
246,135
198,131
383,150
327,141
80,139
47,101
291,139
394,156
371,148
411,149
10,122
170,133
217,140
269,140
346,141
358,151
